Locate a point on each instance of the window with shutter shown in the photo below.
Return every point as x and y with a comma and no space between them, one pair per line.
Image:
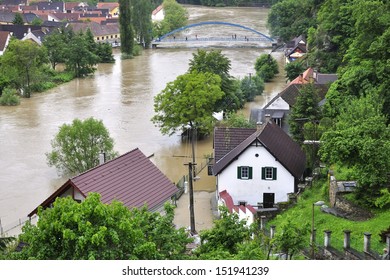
268,173
244,172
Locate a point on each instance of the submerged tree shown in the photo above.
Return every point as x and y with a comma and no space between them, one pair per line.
24,61
142,21
266,67
76,147
126,28
217,63
188,102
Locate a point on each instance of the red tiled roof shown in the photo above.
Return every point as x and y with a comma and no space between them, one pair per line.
3,39
251,209
103,5
304,78
155,11
131,178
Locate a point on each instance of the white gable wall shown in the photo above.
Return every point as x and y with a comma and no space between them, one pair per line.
279,104
252,190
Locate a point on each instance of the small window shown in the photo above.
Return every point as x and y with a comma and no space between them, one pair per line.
268,173
244,172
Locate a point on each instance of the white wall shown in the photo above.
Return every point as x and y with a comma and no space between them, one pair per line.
252,190
279,104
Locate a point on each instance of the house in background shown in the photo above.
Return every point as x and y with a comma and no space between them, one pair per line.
113,8
256,167
295,49
158,13
130,178
314,77
5,37
280,106
102,33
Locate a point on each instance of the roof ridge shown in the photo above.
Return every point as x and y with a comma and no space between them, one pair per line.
105,163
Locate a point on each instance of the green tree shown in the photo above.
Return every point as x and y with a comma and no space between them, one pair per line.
225,237
79,59
290,18
142,21
76,146
55,44
23,61
251,87
293,70
266,67
330,40
104,52
290,239
18,19
305,110
126,28
217,63
91,230
189,101
237,120
175,16
360,140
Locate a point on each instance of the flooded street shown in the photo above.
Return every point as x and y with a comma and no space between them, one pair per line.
120,94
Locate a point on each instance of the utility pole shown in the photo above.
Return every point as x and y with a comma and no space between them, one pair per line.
191,191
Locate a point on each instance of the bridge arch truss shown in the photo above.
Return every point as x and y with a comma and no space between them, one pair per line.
262,36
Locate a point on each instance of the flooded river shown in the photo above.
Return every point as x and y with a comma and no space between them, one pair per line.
120,94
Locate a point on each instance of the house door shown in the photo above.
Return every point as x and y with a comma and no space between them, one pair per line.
268,200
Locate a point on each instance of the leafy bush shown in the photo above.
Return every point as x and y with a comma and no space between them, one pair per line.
63,77
41,87
9,97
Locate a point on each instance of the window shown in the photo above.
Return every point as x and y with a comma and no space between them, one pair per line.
268,173
244,172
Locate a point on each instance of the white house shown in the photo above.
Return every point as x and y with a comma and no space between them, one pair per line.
258,167
158,13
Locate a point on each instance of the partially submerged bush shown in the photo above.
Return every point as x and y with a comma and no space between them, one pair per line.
9,97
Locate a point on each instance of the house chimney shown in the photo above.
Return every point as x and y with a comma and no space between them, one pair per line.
102,157
259,125
267,118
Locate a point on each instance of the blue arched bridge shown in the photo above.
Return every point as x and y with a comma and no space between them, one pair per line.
176,37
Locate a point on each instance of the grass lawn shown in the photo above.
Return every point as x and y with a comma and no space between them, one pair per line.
301,215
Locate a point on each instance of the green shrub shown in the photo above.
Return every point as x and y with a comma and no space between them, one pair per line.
63,77
137,50
41,87
9,97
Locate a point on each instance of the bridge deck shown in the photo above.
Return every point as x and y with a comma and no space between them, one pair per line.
210,39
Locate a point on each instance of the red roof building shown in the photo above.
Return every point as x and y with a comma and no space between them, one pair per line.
131,179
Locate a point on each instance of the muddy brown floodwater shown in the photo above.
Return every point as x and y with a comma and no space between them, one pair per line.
120,94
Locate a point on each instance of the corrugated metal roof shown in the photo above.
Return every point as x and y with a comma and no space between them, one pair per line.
131,178
276,141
